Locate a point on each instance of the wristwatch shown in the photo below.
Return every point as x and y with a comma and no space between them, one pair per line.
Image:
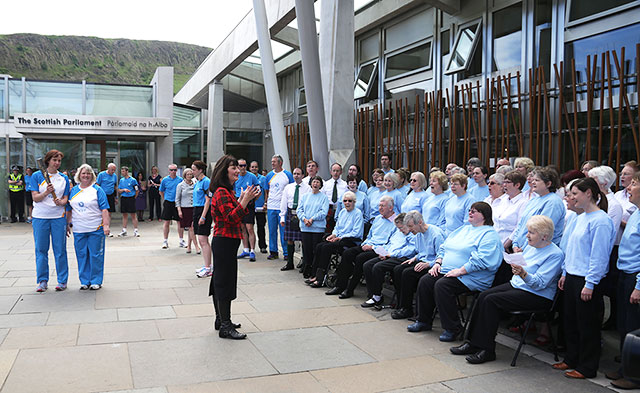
70,224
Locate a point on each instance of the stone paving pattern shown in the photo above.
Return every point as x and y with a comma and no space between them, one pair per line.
149,330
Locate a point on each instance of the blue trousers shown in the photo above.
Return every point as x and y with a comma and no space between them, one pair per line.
273,216
54,229
90,254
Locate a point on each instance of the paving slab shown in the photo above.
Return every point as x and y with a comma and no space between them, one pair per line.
206,309
82,316
142,313
292,319
195,360
150,390
7,303
429,388
297,350
69,300
135,298
385,375
8,281
299,382
117,332
92,368
18,320
503,361
41,337
7,359
291,303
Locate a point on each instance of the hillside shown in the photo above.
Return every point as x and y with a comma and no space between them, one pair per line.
73,58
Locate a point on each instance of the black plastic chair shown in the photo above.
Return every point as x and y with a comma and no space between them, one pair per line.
466,321
548,314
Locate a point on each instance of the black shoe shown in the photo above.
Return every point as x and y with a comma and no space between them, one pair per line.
13,220
309,281
402,313
480,357
464,349
333,291
216,325
610,324
228,331
263,250
272,256
316,284
299,266
346,294
374,303
613,375
286,267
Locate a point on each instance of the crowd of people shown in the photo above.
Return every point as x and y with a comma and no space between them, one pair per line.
438,235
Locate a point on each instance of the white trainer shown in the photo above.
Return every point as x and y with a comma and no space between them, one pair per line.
122,234
183,244
165,245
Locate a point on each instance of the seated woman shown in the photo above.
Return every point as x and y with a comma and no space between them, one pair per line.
433,208
467,261
391,182
456,210
312,213
346,234
362,202
547,203
531,288
428,240
418,195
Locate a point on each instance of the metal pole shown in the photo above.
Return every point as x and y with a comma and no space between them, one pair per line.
313,83
270,83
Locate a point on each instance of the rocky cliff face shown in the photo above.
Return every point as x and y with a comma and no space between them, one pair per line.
96,59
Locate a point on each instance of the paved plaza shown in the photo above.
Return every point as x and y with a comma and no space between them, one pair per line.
149,330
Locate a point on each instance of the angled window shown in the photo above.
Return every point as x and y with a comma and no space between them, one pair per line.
585,9
415,58
367,81
462,53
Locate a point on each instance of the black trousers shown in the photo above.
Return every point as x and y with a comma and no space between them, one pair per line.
351,266
440,291
261,221
324,250
17,204
309,242
490,303
154,203
628,314
374,271
405,279
582,321
224,281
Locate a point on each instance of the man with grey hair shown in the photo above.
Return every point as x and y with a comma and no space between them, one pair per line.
353,258
169,211
428,239
108,180
276,181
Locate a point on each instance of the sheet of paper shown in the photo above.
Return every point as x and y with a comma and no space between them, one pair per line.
515,259
381,251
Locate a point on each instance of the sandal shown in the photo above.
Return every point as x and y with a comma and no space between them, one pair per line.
188,251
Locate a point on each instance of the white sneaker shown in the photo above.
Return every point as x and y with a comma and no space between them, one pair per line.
165,244
204,272
122,234
183,244
135,233
110,234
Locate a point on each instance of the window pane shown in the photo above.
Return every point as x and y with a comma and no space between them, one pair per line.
15,96
186,117
244,136
413,29
250,153
119,100
581,8
410,60
302,98
543,35
134,156
4,186
186,147
463,46
369,48
72,151
363,80
2,98
54,97
507,37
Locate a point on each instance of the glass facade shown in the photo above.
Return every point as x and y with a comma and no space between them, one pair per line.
54,97
134,156
4,186
72,150
15,96
463,48
507,37
2,90
410,60
186,135
113,100
581,9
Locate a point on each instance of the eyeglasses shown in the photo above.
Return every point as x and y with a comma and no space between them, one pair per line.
173,170
474,211
348,200
493,183
242,165
413,180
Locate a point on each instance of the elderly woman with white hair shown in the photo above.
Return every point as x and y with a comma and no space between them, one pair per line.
532,288
88,218
391,183
418,195
525,166
496,192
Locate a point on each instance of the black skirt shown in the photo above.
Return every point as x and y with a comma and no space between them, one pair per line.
224,281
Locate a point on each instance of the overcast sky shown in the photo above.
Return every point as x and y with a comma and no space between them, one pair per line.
199,22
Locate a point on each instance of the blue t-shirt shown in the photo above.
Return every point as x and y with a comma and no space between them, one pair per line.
107,182
262,181
130,184
27,180
243,182
200,190
168,186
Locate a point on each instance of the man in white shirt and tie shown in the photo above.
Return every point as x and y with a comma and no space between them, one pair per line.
334,188
291,196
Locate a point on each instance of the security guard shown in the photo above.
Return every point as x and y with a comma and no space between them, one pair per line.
16,193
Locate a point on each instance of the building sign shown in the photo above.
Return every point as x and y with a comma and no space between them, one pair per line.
91,125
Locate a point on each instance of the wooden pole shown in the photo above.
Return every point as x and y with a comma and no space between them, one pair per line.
531,110
425,149
629,114
589,104
538,113
521,118
611,123
621,93
451,117
548,116
560,82
601,115
576,151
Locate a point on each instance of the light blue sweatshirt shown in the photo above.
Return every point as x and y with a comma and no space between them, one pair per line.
362,186
374,196
401,245
414,201
544,266
569,224
315,207
362,204
404,190
589,247
478,249
349,224
456,212
428,244
381,231
397,196
479,193
629,249
549,205
433,210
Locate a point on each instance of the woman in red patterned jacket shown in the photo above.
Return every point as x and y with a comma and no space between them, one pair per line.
227,213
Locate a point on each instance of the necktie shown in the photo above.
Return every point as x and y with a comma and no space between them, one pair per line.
334,196
295,197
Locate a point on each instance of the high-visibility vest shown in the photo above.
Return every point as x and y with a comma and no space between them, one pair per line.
16,187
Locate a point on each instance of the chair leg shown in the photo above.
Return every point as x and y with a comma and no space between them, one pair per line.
460,312
522,339
554,347
465,328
